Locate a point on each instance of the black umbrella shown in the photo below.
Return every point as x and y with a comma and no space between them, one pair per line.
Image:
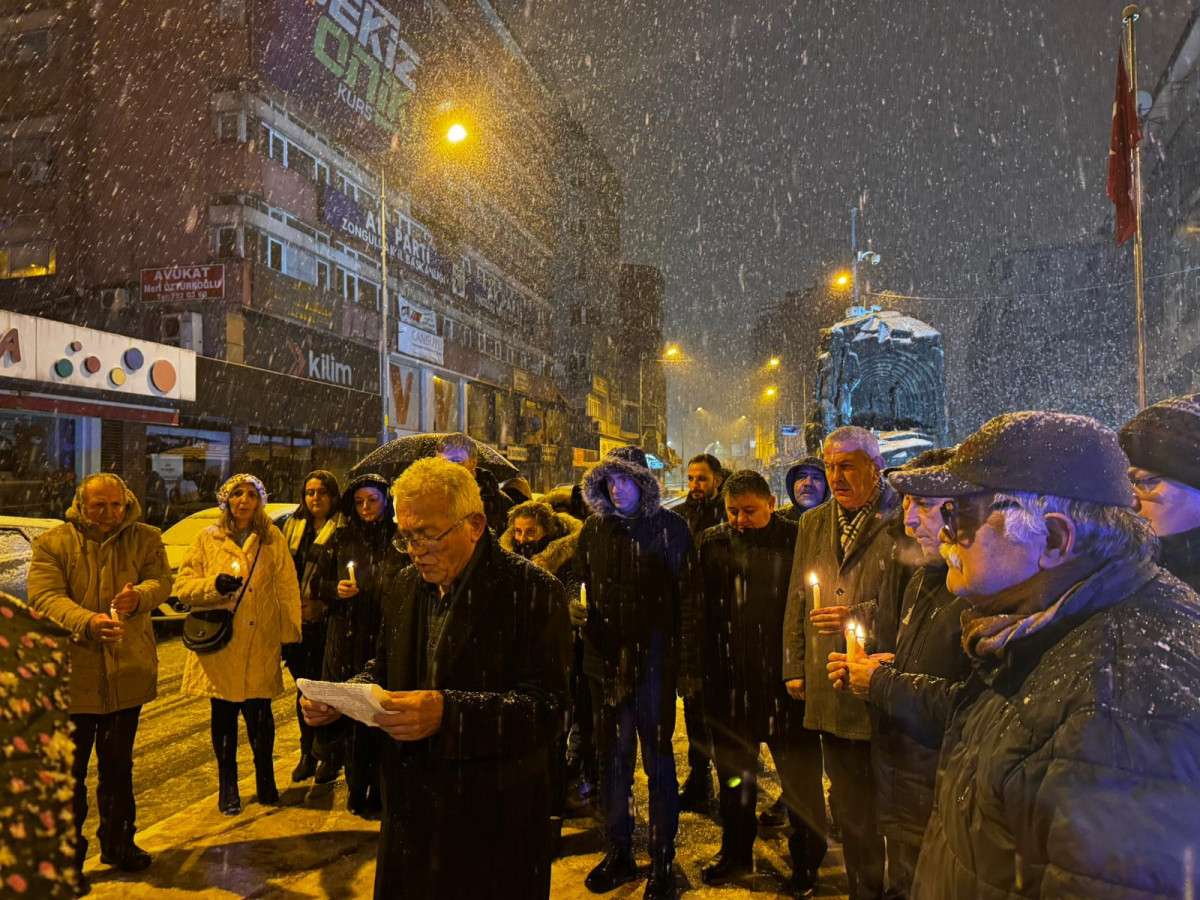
395,456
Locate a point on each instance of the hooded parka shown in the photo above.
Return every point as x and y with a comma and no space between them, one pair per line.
560,550
74,573
268,615
1071,765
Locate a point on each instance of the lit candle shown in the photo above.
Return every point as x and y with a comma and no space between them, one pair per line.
853,632
237,568
583,595
350,570
816,586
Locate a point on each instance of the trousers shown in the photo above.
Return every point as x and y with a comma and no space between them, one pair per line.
112,735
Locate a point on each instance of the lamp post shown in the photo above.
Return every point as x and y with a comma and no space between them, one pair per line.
670,354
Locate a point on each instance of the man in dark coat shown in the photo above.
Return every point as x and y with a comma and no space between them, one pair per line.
745,566
848,545
634,559
1070,767
806,486
1163,445
461,449
473,657
704,508
910,692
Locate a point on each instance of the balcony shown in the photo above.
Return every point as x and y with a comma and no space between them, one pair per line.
276,294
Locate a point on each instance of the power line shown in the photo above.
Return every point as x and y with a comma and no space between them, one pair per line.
887,295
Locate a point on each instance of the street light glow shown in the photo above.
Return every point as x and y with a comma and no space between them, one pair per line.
774,362
842,279
770,392
672,351
457,134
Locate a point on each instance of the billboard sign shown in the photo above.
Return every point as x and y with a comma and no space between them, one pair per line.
184,283
349,60
404,247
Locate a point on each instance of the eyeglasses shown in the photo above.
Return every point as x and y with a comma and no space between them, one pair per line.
966,515
426,544
1146,484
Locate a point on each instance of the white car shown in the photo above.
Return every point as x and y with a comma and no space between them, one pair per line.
16,539
178,538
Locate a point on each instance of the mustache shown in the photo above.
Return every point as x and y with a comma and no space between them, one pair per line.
951,556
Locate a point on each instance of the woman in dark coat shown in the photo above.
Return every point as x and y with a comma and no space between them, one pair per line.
309,533
351,586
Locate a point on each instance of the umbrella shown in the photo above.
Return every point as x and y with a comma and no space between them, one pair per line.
394,457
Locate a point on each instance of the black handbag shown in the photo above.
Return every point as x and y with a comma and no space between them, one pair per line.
208,630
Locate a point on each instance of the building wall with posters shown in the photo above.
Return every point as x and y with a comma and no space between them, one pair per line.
221,189
640,304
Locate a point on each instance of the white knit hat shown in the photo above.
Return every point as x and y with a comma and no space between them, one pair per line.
241,478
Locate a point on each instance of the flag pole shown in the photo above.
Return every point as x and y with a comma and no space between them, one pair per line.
1128,17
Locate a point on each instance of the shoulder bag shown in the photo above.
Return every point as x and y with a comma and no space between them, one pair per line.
208,630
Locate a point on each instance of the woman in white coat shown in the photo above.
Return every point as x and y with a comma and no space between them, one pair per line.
246,673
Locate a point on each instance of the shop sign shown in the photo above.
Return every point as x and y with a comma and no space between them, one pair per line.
607,446
421,344
184,283
347,59
406,397
317,356
35,349
419,316
516,453
403,246
521,381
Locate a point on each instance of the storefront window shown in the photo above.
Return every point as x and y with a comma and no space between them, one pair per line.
445,405
37,464
280,462
481,416
184,470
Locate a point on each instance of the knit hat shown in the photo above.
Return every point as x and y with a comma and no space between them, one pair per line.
1074,457
901,476
241,478
1165,439
630,454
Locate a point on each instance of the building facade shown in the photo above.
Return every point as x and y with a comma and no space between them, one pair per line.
268,184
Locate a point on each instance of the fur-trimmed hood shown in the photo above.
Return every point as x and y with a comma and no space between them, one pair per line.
562,544
596,494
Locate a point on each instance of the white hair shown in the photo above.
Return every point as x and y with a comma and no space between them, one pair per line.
1101,532
451,484
853,437
98,478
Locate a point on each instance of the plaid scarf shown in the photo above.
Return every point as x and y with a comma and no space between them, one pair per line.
852,526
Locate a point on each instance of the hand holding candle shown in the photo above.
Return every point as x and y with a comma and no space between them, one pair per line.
350,573
583,595
816,589
853,634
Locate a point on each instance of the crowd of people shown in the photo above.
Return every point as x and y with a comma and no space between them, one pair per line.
990,652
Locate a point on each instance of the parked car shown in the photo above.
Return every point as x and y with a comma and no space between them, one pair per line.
178,538
16,539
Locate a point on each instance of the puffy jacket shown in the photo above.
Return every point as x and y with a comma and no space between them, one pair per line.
910,700
745,586
860,581
1071,766
74,573
1181,556
268,616
560,551
637,570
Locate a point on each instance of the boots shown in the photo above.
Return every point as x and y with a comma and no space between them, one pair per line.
617,868
774,815
697,794
229,801
727,865
305,769
661,885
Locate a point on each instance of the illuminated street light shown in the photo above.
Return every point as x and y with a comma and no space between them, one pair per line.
770,392
774,363
457,133
842,279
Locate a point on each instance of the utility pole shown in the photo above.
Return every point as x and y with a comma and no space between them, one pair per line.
1129,16
854,250
385,431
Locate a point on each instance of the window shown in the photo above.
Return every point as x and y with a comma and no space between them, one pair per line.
26,49
29,260
231,126
275,256
228,244
322,175
368,293
301,162
322,274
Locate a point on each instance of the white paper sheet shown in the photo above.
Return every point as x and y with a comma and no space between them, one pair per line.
358,701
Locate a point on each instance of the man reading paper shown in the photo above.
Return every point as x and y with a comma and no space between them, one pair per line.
473,654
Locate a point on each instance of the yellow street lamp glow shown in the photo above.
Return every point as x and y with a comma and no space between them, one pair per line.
457,134
774,362
770,392
672,351
842,279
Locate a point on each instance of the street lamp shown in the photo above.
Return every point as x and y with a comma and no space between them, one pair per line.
456,134
773,363
672,354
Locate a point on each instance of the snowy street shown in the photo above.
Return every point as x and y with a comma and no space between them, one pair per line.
310,846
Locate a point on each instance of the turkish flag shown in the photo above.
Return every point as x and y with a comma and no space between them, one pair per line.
1126,133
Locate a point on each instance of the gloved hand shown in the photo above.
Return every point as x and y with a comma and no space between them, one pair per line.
228,584
578,613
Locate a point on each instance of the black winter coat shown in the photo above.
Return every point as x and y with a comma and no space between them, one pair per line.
910,700
1071,767
353,624
496,503
702,515
466,812
745,585
638,572
1181,556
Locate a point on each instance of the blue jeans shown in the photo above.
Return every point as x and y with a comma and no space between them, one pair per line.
648,716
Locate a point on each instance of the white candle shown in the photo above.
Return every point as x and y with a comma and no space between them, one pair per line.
816,586
583,595
852,633
350,570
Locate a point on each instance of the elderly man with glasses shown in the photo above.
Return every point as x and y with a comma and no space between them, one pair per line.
473,655
1070,765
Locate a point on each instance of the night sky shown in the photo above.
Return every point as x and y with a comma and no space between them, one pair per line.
744,132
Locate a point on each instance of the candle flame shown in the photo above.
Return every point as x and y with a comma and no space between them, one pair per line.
812,578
